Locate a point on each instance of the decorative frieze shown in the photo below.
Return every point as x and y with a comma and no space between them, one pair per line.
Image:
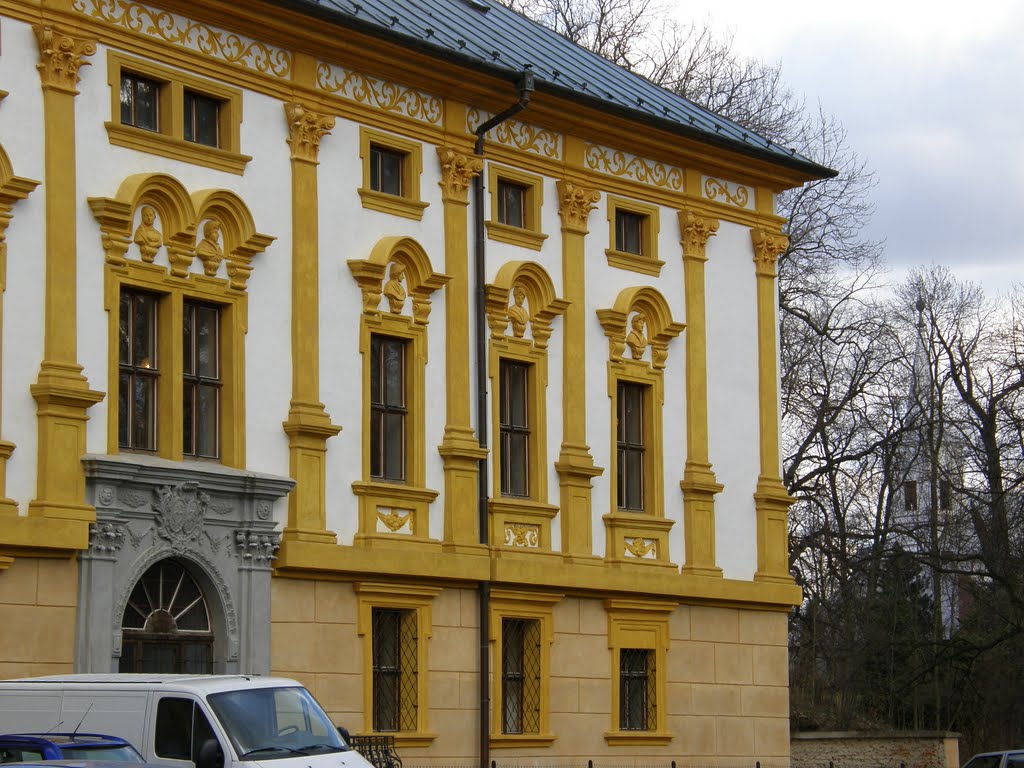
379,94
615,162
177,30
727,192
519,135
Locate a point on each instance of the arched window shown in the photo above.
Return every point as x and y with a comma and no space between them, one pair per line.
166,623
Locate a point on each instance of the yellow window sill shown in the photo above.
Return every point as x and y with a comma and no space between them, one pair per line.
175,148
522,740
637,738
634,262
393,204
525,238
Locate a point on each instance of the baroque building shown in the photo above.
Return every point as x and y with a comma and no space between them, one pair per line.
401,348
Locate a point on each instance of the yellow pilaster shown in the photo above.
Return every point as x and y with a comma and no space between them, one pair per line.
699,484
308,425
460,447
61,392
771,500
575,465
12,189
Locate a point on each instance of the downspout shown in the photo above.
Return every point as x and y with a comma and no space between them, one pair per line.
526,87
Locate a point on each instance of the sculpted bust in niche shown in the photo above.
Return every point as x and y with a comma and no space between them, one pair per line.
394,291
147,236
209,249
636,340
518,314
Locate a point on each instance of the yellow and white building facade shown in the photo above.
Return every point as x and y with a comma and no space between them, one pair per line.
262,412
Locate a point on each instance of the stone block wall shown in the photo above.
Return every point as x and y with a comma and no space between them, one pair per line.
865,749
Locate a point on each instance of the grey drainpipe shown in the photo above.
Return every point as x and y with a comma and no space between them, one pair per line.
526,87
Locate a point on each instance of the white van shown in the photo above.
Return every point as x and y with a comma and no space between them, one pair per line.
209,721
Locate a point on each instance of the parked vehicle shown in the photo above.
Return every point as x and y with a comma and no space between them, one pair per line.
65,763
31,747
204,721
1013,758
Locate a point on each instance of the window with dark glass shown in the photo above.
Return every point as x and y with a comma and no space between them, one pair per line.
945,494
386,166
181,729
387,408
910,496
512,203
630,444
201,380
202,119
138,371
139,102
520,676
394,670
514,424
629,232
637,692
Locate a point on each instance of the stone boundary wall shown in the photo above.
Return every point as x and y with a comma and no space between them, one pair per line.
879,749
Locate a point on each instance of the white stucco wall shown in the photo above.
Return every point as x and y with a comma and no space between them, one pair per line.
733,444
348,231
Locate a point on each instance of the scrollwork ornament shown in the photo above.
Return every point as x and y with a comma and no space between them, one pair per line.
305,129
457,172
520,535
575,204
264,509
105,496
61,56
641,548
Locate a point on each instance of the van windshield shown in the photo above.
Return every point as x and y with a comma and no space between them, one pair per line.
271,723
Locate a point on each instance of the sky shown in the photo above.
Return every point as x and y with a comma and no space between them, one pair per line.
932,97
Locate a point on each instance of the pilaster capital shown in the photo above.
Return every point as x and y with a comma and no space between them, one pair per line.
61,56
305,129
695,231
457,172
767,248
575,204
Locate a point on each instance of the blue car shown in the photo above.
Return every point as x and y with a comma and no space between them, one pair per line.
32,747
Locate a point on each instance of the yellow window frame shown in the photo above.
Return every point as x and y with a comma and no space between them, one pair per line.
169,139
646,262
640,625
400,597
171,295
533,606
409,204
530,235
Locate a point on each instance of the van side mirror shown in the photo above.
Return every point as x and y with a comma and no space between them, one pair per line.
210,755
343,731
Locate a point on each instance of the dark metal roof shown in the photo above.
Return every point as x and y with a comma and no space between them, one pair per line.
484,34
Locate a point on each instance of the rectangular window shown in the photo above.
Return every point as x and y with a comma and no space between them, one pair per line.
630,445
514,418
202,380
520,676
202,119
629,229
945,495
140,102
139,372
637,693
388,410
394,670
386,169
910,496
512,203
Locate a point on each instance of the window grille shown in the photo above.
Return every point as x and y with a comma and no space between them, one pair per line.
520,676
395,702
